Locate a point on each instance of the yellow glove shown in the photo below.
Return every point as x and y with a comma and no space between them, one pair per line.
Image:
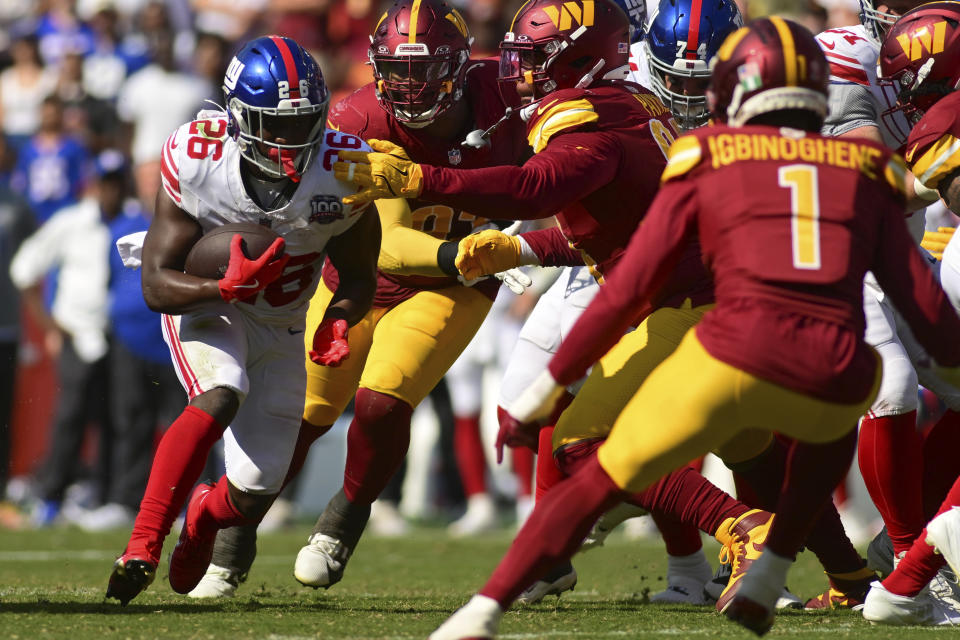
936,241
488,252
385,172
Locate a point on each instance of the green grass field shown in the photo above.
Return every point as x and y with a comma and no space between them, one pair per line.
52,585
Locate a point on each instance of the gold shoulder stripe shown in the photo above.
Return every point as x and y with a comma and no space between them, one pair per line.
896,174
558,117
938,161
685,154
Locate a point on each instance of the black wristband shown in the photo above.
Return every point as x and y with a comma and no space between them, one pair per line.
447,257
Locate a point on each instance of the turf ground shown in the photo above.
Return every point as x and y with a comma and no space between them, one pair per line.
52,585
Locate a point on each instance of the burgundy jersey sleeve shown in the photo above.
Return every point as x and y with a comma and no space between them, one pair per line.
352,113
933,150
905,276
626,297
572,166
552,248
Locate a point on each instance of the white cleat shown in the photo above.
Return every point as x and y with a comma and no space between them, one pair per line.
883,607
217,582
479,619
943,534
480,517
608,522
788,600
549,586
681,590
321,562
386,521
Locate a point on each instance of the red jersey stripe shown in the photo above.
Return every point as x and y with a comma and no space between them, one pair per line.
694,43
851,74
292,77
838,56
187,376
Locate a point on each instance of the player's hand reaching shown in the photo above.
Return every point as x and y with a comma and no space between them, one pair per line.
487,252
515,434
330,346
385,172
245,277
936,241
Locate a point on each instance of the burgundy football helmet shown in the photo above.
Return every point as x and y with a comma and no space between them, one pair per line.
771,64
418,52
921,56
559,44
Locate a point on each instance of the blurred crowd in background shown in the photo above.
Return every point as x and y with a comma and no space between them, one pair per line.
89,91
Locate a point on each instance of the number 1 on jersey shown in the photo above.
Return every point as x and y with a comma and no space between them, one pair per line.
802,181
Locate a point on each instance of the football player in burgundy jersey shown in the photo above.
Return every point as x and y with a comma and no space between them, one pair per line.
926,78
264,160
782,349
638,135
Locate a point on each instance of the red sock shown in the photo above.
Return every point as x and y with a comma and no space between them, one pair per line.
679,539
377,442
890,455
920,563
553,532
548,473
468,450
177,465
523,470
218,511
307,436
941,465
812,472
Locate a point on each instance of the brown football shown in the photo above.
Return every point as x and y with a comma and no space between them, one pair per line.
210,255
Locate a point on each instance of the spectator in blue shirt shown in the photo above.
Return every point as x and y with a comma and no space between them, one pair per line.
52,168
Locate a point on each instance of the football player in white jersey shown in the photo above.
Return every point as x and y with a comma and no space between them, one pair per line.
237,343
889,449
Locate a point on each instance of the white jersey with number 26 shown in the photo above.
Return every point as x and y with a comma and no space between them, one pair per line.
200,172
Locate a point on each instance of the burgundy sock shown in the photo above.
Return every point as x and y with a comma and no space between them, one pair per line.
679,539
177,465
468,450
307,436
377,442
523,470
553,532
812,472
747,495
684,494
891,462
548,473
941,465
218,511
691,499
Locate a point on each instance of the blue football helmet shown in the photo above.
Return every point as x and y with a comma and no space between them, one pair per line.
683,37
636,10
274,90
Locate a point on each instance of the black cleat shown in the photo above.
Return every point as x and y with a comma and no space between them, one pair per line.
130,576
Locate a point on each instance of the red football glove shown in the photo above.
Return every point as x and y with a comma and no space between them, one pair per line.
330,346
245,277
514,433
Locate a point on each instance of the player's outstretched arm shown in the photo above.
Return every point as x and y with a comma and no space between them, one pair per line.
354,253
403,249
166,288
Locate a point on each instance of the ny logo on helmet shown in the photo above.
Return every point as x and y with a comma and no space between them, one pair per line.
563,16
914,43
233,74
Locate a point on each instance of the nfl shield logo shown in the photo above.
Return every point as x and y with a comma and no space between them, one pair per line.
454,156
